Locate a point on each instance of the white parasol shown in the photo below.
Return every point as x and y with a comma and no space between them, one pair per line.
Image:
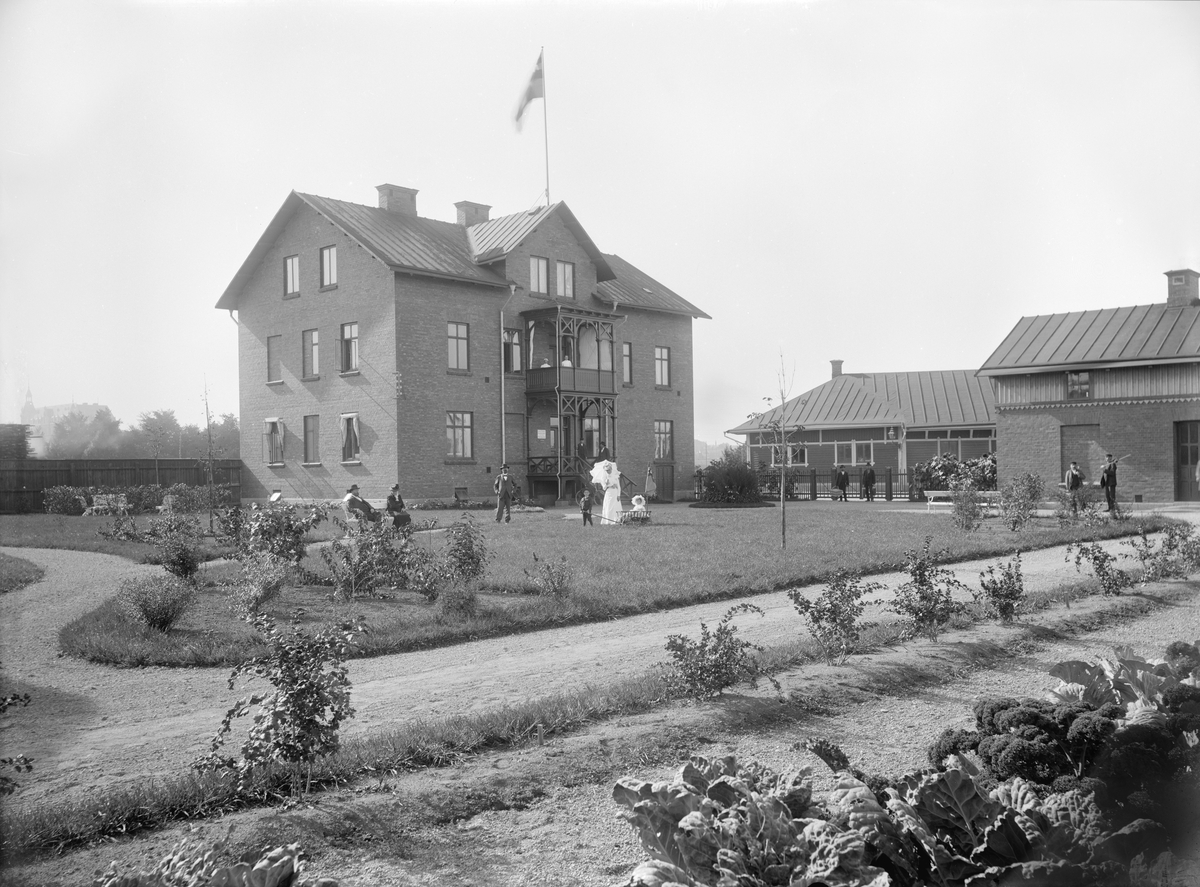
606,474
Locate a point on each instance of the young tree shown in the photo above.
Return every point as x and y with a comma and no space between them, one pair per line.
774,423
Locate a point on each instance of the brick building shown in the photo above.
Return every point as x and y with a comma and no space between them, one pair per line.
1126,381
893,420
375,346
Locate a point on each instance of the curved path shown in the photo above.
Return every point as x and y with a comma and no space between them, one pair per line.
91,726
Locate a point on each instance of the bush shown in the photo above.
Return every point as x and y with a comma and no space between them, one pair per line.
156,601
279,528
1171,558
924,602
1111,578
263,577
1002,595
176,539
64,500
940,472
192,500
466,551
967,507
833,616
459,602
730,479
707,667
299,721
549,578
1083,509
1019,500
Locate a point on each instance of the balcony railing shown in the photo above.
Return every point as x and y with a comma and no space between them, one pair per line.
590,381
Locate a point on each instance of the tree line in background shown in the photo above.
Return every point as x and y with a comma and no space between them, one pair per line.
157,435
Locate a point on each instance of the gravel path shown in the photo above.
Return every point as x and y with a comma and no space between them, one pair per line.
92,726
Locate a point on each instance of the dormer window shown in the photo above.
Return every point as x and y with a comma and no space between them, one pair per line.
1079,386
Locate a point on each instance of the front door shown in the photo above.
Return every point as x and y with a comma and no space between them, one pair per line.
664,479
1187,457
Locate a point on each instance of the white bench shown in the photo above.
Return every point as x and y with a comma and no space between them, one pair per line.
108,503
990,498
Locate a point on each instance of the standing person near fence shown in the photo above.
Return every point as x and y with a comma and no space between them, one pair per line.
1074,479
868,483
1108,480
504,488
841,480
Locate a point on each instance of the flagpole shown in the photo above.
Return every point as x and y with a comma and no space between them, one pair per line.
546,126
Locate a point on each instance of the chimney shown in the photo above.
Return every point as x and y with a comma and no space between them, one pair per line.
1182,288
471,213
837,368
396,199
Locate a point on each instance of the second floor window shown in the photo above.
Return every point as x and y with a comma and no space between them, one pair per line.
539,275
273,441
627,363
310,353
274,355
456,341
566,280
328,265
291,275
662,366
350,438
312,439
349,347
458,435
1079,386
512,351
664,439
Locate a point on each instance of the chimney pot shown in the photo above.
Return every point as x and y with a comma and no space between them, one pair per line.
837,368
1183,288
470,213
398,199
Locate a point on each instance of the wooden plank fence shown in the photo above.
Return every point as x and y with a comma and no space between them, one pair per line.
22,481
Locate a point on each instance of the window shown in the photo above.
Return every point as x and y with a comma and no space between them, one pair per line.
458,436
274,366
291,276
797,455
664,439
349,347
627,363
862,453
328,266
662,366
312,437
539,274
843,453
273,441
566,280
512,351
350,437
309,353
1079,386
456,340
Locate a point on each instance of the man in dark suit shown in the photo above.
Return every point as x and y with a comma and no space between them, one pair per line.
505,490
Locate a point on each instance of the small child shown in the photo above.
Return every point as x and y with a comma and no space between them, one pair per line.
585,506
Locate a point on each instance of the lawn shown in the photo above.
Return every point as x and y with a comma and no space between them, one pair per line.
16,572
685,556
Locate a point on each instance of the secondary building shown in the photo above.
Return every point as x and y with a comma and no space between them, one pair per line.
377,346
1126,381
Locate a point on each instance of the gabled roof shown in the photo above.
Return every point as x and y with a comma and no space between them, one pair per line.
1110,337
496,238
915,400
634,288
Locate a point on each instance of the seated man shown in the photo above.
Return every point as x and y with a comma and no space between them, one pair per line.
357,505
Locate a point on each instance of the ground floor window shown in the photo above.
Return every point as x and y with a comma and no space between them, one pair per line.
664,439
458,435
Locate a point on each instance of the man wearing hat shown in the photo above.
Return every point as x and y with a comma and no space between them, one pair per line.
356,504
504,494
1108,480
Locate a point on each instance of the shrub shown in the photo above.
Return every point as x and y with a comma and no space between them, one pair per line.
1019,500
466,551
371,558
833,616
279,528
924,602
123,528
1083,509
263,577
1002,595
64,500
720,659
730,479
459,602
176,539
194,865
940,472
233,528
156,601
1172,557
967,507
550,578
1111,578
192,499
299,721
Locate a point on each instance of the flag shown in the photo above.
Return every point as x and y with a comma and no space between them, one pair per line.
535,90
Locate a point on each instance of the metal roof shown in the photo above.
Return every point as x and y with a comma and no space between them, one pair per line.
938,398
632,287
1143,334
496,238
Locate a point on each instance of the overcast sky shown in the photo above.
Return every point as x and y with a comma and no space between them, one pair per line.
890,184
